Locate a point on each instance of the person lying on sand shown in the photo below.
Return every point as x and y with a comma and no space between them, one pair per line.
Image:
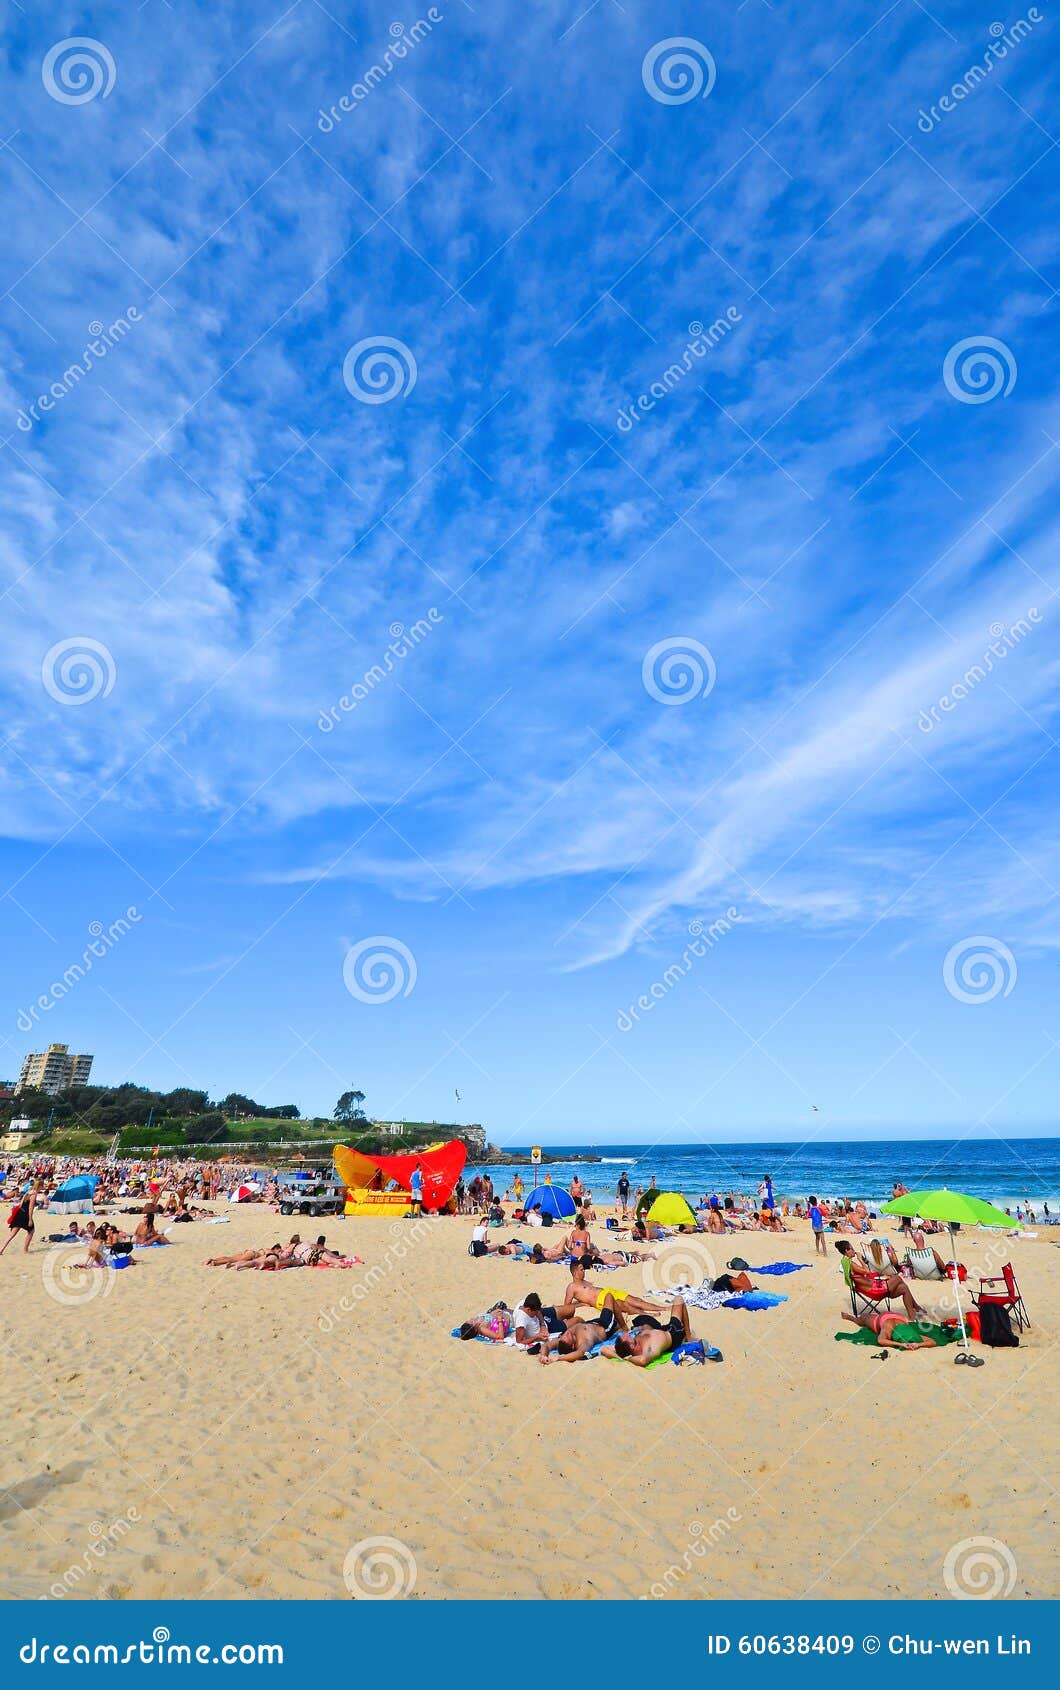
883,1324
869,1284
549,1252
652,1338
587,1295
578,1340
495,1324
535,1322
234,1260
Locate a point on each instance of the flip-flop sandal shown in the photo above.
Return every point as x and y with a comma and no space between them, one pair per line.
959,1360
882,1355
976,1361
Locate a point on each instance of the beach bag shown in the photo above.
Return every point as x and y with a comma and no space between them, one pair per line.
13,1216
995,1327
962,1271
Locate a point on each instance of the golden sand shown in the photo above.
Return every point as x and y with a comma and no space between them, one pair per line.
178,1431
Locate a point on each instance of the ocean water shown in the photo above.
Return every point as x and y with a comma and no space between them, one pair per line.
1005,1172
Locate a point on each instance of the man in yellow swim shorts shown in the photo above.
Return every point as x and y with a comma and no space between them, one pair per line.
583,1291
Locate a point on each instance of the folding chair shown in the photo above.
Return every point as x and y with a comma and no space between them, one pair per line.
868,1302
1010,1298
922,1265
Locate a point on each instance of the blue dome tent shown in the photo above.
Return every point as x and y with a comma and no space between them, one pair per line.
74,1196
552,1200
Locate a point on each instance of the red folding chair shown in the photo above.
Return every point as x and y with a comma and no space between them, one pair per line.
1010,1298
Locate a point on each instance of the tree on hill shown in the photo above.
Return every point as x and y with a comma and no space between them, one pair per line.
348,1108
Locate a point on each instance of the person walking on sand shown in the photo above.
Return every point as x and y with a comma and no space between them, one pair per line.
416,1189
21,1217
622,1193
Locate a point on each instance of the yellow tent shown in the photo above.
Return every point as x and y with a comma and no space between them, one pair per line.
670,1209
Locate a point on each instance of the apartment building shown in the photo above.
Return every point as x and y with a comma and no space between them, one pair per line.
54,1070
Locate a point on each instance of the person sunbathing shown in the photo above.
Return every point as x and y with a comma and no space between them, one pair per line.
581,1335
652,1338
583,1292
883,1323
876,1285
234,1260
495,1324
549,1252
536,1322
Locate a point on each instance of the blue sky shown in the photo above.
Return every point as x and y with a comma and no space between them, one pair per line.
837,503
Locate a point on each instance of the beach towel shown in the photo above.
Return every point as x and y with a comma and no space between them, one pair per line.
346,1262
754,1300
702,1297
781,1267
907,1332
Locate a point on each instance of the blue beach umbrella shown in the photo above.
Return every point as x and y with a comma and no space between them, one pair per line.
553,1200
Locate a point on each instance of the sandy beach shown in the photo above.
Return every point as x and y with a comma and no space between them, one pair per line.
177,1431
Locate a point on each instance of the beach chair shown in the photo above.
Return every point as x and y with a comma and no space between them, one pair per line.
1009,1298
922,1265
862,1302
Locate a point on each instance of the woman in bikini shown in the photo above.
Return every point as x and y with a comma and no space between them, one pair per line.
883,1324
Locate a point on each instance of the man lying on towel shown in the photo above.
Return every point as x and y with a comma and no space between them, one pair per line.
584,1292
651,1338
582,1335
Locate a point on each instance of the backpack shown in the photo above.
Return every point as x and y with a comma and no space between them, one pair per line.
995,1327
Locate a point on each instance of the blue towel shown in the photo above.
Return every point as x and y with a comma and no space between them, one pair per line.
781,1267
754,1300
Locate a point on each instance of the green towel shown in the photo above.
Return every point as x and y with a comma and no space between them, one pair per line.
906,1332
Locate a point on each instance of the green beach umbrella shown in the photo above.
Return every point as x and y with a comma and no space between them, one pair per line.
670,1209
951,1206
955,1209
